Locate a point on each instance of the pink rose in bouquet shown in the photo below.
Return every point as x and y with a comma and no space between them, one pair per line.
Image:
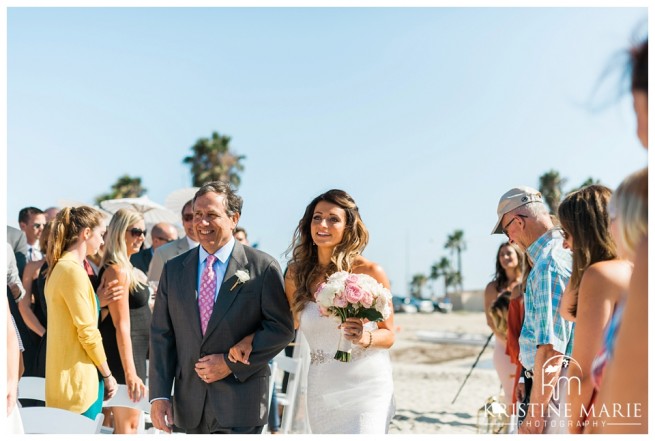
347,295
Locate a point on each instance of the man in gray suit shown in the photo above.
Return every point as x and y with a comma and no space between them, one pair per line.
209,299
175,248
18,241
161,234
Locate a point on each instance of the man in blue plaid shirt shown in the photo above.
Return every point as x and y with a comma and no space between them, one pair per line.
545,336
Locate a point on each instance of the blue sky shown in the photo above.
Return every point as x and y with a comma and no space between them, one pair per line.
425,115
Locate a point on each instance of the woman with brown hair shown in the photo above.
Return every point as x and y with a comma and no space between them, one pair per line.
354,397
598,282
77,374
508,275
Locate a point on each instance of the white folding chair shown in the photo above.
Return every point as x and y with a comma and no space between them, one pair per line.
288,399
122,399
32,388
271,387
53,420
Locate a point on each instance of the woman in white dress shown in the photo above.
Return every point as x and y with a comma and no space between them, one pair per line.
342,397
352,397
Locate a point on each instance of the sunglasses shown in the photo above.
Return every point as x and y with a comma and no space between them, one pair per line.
187,217
565,235
136,232
510,223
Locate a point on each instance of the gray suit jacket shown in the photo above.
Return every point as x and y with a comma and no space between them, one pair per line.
16,238
176,342
163,254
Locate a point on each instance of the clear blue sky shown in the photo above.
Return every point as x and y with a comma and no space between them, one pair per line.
425,116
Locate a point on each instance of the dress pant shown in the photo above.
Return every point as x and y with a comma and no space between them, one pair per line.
209,424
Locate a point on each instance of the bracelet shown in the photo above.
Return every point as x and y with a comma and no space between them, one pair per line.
370,340
106,376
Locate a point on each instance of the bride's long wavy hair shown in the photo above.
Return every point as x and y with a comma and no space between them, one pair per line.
304,253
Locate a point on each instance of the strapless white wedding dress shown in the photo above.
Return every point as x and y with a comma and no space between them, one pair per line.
354,397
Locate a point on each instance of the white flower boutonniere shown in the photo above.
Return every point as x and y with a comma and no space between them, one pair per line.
242,277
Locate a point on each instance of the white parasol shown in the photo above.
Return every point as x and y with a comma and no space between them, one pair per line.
152,212
176,200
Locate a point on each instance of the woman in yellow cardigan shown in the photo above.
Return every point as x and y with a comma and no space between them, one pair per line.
77,375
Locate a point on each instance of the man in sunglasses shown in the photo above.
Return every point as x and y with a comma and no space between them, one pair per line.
161,234
546,338
166,252
32,221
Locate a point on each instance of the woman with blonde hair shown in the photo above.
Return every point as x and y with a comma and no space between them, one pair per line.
77,374
125,330
598,282
616,369
626,379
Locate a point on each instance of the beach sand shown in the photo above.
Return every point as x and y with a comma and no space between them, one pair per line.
428,375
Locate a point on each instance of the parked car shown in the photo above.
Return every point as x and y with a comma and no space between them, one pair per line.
425,306
443,305
404,304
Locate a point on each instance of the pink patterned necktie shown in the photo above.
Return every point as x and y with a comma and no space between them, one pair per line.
207,291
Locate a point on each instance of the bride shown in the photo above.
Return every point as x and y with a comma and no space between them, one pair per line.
354,397
342,397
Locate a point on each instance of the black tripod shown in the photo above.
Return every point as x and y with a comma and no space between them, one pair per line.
473,367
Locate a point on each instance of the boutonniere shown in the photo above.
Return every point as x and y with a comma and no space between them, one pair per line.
242,277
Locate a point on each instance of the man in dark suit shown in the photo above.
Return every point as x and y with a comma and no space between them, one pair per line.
210,298
161,234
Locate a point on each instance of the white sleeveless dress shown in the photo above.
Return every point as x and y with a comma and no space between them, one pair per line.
346,398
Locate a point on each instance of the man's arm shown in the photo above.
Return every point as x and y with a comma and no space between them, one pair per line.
276,329
543,385
163,351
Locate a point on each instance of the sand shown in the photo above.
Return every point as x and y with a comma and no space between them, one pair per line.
428,375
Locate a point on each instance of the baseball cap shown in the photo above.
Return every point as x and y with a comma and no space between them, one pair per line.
513,199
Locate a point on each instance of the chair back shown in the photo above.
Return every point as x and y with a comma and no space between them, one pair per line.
31,388
288,399
122,399
53,420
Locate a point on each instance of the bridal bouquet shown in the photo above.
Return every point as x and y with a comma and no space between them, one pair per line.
347,295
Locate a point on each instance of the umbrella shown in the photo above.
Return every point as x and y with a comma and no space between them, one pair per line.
176,200
152,212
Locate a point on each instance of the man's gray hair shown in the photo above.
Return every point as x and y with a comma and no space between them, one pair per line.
534,210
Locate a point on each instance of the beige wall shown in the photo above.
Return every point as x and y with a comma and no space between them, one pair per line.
468,301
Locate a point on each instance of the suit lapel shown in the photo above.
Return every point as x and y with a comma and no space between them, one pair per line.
189,290
226,297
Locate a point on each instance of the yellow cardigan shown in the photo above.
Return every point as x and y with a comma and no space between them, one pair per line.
74,343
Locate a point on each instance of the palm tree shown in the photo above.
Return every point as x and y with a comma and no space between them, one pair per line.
456,244
416,285
125,187
550,186
213,160
444,269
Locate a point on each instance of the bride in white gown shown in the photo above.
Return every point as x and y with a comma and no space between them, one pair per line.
342,397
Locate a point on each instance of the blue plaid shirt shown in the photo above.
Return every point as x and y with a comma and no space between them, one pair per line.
543,324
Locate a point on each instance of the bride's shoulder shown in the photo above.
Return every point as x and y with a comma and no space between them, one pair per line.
364,266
